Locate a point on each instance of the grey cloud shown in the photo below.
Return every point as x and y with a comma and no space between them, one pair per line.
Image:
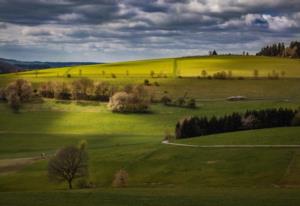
107,26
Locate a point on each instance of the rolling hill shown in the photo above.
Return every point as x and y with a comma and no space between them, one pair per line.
240,66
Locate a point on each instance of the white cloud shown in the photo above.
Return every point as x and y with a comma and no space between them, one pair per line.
70,17
274,23
279,23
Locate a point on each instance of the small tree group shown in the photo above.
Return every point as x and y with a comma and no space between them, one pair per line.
184,101
81,89
16,93
223,75
134,99
195,126
280,50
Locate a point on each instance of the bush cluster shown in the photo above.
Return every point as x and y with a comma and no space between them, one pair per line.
184,102
81,89
134,99
218,75
195,126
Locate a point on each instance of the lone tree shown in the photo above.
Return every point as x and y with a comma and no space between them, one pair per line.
204,73
68,164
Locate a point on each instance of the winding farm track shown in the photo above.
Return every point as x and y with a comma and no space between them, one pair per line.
230,146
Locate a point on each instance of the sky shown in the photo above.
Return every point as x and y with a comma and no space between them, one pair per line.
120,30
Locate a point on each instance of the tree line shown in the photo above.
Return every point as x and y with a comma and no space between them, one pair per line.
129,99
280,50
255,119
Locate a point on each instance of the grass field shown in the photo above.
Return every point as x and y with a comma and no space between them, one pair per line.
158,174
186,67
159,197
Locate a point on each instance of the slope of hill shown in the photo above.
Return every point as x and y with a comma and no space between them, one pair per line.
187,67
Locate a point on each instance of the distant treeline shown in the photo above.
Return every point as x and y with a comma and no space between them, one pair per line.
280,50
268,118
11,65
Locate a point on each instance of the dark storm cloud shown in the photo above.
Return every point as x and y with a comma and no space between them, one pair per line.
154,26
34,12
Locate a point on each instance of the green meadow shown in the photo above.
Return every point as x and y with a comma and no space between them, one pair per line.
159,174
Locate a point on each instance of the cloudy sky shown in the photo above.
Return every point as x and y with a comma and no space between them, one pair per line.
116,30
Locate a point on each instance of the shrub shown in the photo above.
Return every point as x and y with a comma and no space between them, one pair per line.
113,76
180,101
296,120
229,74
138,100
69,76
220,75
255,73
47,90
120,179
82,89
146,82
2,94
274,75
168,136
62,91
204,73
84,183
191,103
166,100
152,74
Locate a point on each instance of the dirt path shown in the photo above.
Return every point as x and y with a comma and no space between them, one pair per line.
230,146
13,165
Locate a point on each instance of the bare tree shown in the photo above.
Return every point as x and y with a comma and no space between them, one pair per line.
68,164
21,88
82,88
14,101
18,92
204,73
255,73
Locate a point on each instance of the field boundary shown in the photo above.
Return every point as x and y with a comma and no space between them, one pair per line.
229,146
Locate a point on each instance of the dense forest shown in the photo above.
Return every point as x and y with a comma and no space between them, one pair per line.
280,50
